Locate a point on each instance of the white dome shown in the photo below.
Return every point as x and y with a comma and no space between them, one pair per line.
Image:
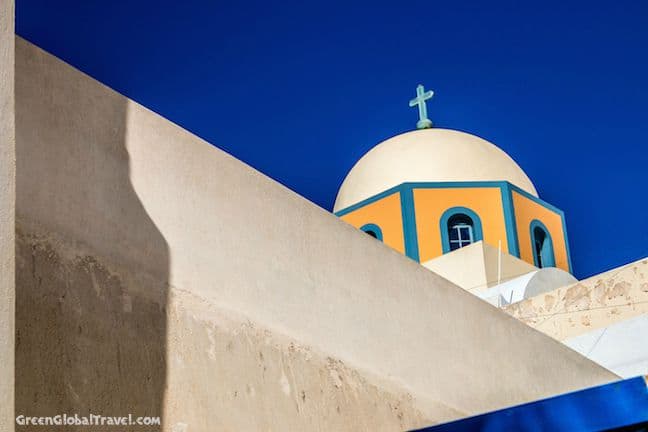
428,155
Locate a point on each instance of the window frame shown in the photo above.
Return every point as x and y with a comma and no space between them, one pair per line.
460,240
551,261
372,227
477,233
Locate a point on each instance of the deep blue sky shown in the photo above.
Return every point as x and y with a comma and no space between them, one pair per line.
301,89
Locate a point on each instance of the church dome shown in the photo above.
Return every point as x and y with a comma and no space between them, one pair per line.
428,155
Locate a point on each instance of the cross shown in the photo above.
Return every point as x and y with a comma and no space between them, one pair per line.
421,96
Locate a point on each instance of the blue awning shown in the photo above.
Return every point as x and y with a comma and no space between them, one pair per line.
607,407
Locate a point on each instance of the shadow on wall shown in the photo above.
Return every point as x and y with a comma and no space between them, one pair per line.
92,267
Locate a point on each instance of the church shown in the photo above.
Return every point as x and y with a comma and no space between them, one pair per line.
431,192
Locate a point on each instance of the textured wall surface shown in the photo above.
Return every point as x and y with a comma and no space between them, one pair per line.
7,214
223,371
85,342
135,236
588,305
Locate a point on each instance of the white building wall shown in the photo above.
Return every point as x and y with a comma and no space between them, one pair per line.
621,347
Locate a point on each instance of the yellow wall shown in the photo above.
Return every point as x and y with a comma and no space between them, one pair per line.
430,204
387,214
526,211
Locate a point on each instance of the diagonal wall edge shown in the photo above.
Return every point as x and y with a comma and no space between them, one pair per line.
171,213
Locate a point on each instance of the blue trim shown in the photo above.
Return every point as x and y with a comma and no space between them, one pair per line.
507,201
409,222
443,224
442,185
418,185
509,220
368,201
373,228
555,210
564,225
445,185
535,223
535,199
606,407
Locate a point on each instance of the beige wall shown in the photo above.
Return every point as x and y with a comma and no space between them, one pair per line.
257,379
121,213
7,211
485,267
221,370
590,304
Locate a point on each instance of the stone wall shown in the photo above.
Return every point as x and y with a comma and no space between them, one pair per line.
159,274
7,214
590,304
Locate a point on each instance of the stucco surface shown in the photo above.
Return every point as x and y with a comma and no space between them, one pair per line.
87,340
165,212
7,214
223,371
263,380
588,305
428,155
484,263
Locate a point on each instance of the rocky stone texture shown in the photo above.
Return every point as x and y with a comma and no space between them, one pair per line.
592,303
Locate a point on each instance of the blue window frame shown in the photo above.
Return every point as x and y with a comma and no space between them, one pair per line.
373,230
460,226
542,245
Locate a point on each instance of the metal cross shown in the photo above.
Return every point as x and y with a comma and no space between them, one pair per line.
421,96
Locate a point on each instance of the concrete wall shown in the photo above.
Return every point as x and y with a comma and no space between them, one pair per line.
135,236
483,261
210,369
590,304
7,212
511,266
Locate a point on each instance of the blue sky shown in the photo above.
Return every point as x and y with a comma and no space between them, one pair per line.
301,89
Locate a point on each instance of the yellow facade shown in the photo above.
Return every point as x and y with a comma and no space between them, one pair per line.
431,203
526,211
387,214
410,218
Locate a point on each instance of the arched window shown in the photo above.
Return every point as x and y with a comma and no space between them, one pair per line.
460,231
373,230
542,245
460,227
